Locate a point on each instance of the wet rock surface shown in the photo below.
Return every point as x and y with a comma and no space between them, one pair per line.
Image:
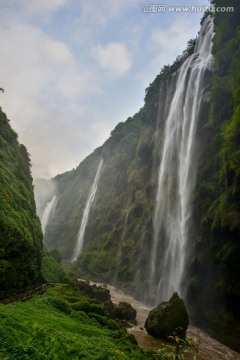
168,318
208,348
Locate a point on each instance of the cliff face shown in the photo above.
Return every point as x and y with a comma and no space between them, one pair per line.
118,238
122,208
213,273
20,231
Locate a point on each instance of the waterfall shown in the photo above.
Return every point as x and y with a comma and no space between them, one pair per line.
90,199
138,273
48,213
121,244
178,169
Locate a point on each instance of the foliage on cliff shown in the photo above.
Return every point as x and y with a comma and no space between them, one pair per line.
20,231
217,212
225,116
120,222
52,269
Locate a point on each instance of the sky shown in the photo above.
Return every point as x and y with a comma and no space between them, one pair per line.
73,69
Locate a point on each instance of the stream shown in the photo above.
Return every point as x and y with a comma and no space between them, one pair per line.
208,348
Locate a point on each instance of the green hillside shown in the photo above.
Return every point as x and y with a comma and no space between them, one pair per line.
20,231
58,325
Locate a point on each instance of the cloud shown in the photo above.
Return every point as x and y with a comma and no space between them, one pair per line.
171,41
51,94
114,57
93,17
102,12
36,6
44,88
32,61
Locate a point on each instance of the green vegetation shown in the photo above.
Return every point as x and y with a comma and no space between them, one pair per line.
65,323
225,117
20,231
52,269
53,326
217,214
177,351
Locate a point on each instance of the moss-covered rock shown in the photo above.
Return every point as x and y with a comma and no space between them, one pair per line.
125,311
93,291
168,318
122,311
101,294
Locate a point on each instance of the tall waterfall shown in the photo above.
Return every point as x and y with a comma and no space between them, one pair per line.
90,199
121,243
48,213
178,169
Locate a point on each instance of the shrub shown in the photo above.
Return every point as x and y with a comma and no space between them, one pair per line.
97,309
81,306
61,305
112,324
102,320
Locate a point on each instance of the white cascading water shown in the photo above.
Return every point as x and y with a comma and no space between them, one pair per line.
48,213
178,169
90,199
121,244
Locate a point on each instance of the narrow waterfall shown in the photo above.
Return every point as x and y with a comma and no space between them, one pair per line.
121,243
48,213
178,169
138,273
90,199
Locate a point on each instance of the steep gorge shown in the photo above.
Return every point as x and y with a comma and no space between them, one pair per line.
119,242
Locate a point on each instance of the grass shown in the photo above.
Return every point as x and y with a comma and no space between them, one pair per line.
47,327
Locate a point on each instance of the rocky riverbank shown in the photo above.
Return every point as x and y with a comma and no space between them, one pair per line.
208,348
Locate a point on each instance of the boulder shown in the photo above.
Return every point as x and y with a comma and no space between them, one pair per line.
122,311
93,291
125,311
168,318
101,294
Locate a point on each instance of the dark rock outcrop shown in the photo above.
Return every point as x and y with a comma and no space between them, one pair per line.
168,318
125,311
93,291
122,311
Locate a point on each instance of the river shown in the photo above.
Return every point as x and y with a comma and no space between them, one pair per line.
208,348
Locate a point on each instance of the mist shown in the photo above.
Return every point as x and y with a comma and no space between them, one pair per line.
44,190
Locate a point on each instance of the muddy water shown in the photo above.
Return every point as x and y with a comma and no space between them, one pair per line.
208,348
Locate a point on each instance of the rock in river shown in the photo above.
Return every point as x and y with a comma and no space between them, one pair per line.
168,318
